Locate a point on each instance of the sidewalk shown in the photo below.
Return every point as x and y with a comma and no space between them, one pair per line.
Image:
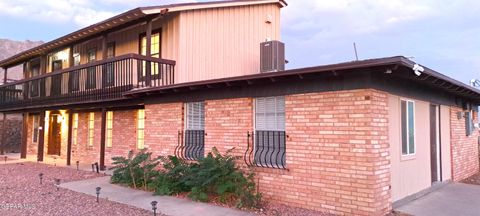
141,199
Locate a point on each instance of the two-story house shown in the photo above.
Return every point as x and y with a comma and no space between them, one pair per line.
350,138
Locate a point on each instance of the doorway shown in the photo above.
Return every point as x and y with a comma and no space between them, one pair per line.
435,144
54,134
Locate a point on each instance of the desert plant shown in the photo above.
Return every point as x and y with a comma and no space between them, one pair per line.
171,179
135,170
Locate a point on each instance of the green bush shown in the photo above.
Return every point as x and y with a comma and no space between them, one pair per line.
214,177
171,179
135,170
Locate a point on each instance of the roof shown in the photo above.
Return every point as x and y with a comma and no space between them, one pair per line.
428,76
122,20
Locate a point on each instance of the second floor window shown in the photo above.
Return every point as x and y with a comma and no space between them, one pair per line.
408,127
108,75
91,71
109,129
154,52
91,129
35,86
194,138
269,134
74,77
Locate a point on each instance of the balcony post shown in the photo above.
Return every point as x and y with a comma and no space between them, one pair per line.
148,53
4,144
70,57
102,139
41,136
69,139
5,75
23,150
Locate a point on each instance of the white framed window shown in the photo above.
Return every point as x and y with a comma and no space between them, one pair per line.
36,128
407,110
75,129
91,128
269,134
140,129
194,134
109,129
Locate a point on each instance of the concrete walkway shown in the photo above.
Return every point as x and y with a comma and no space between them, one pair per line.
453,199
141,199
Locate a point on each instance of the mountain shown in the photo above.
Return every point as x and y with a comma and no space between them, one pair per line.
9,48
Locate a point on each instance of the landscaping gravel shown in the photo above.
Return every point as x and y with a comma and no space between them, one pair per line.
22,194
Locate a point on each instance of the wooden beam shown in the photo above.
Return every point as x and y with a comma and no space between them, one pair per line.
148,52
5,75
3,144
69,139
103,139
23,149
104,47
71,60
41,136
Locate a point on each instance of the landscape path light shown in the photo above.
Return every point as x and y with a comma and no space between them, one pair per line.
98,192
154,207
41,177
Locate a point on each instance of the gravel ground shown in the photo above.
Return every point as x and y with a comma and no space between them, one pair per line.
22,194
283,210
475,179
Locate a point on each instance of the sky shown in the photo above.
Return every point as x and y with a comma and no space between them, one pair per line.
442,35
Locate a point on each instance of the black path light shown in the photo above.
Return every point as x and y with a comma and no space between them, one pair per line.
78,162
154,207
5,159
98,192
41,177
57,182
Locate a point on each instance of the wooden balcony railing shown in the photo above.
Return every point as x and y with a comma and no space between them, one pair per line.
93,82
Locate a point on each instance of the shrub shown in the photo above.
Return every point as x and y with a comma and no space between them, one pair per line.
136,171
171,179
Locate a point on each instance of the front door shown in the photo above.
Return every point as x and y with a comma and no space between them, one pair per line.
435,147
54,134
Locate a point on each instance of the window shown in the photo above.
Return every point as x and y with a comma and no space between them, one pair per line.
141,129
109,129
35,87
194,131
154,52
74,84
36,128
408,127
91,71
109,68
469,125
269,135
75,128
91,128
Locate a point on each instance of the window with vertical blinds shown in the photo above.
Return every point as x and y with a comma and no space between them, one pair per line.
141,129
109,129
75,129
269,135
194,134
91,128
408,127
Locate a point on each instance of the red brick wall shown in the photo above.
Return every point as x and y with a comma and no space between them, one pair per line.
162,123
464,149
124,133
82,152
337,150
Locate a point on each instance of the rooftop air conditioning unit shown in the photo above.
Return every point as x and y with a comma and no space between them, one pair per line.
272,56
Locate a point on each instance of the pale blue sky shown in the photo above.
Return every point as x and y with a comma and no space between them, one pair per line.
440,34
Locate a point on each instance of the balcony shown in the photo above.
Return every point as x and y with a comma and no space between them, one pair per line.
98,81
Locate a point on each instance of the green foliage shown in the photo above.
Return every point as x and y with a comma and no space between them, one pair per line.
170,180
214,177
135,170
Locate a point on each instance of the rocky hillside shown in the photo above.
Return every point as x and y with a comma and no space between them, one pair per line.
9,48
